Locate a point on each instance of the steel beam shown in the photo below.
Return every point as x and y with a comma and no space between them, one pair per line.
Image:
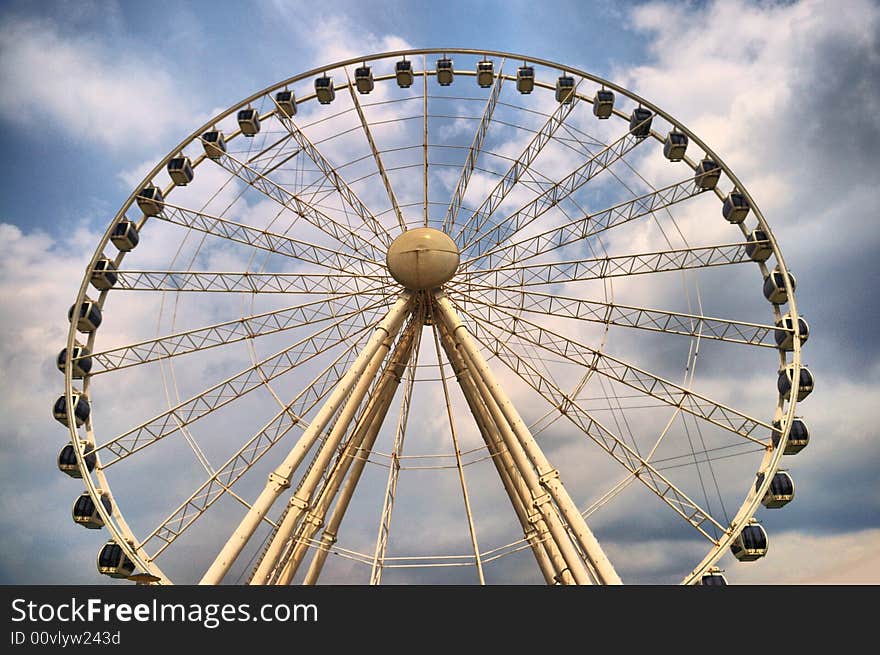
548,476
279,479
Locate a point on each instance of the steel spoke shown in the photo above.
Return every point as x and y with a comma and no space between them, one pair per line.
254,448
473,154
621,371
378,560
655,320
604,267
589,225
215,281
457,449
249,327
376,156
474,224
270,241
683,505
340,185
344,234
241,383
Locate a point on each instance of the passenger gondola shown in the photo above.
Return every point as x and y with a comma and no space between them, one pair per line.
150,200
85,511
125,235
707,173
81,410
485,73
525,79
180,170
758,246
675,145
798,436
640,122
324,91
774,287
82,362
445,72
713,577
735,208
780,492
249,121
214,144
784,382
113,561
103,275
363,79
565,89
751,543
89,318
286,102
403,72
603,103
67,460
784,332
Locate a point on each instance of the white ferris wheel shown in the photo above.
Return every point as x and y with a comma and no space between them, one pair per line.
434,315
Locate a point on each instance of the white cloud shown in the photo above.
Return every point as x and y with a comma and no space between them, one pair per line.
86,89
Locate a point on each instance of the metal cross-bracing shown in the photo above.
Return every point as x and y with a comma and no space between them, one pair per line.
345,234
363,435
491,319
473,153
474,225
250,327
597,268
495,255
244,282
396,279
613,444
393,472
236,386
380,167
485,243
269,241
254,448
345,192
643,318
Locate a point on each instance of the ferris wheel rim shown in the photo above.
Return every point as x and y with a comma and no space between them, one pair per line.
116,524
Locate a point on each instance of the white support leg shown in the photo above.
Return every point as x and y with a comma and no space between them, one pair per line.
302,498
548,477
279,479
328,538
370,421
535,530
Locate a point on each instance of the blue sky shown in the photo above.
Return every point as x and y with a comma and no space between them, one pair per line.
95,93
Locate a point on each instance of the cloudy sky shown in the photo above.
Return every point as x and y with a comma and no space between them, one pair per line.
94,94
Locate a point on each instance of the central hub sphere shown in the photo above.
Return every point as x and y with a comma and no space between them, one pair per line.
422,258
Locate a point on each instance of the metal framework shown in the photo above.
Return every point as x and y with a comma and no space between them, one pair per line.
575,294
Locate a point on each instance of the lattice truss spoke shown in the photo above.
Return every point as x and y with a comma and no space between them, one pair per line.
485,246
294,200
655,320
612,443
238,385
597,268
272,242
490,319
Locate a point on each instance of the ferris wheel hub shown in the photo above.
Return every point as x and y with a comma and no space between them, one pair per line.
422,258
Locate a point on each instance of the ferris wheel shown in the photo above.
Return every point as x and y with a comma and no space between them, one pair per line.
434,315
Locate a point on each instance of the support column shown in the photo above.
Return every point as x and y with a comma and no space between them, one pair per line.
301,499
368,424
328,538
535,530
279,479
548,477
